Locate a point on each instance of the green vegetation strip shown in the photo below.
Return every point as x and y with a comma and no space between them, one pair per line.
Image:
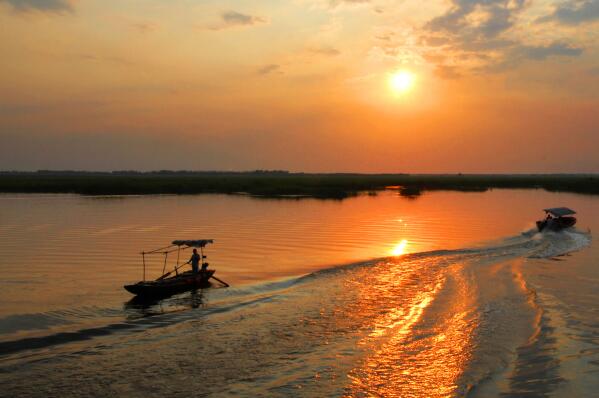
280,184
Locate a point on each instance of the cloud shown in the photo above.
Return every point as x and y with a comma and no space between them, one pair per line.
574,12
56,6
476,22
468,33
385,36
231,19
478,36
268,69
542,52
447,72
237,18
520,53
335,3
144,27
329,51
101,58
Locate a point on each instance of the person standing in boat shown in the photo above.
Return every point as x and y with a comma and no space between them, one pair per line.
195,261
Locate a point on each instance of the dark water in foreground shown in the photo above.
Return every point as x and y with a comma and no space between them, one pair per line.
446,295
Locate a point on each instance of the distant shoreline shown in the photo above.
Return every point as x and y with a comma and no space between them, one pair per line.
282,184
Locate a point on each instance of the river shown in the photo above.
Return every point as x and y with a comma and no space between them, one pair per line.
446,294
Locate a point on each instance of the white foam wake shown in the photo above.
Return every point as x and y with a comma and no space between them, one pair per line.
554,244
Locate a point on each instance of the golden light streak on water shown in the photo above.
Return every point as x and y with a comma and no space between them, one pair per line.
399,248
405,358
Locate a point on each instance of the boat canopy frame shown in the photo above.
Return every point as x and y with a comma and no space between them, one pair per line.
175,246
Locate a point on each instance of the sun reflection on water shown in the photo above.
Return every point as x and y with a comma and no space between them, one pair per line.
399,248
403,357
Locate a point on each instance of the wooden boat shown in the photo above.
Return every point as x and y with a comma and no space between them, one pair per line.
557,218
173,285
167,285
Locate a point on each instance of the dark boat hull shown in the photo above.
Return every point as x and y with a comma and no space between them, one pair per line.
169,286
556,224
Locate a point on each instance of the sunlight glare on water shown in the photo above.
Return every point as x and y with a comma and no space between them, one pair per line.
399,248
403,358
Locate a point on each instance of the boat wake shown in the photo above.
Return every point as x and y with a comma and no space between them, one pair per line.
555,244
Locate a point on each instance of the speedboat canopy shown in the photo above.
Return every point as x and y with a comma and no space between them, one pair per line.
558,211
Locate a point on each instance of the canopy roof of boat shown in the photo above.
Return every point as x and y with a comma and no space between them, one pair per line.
193,243
559,211
186,243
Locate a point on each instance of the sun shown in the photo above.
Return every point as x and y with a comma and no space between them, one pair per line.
402,81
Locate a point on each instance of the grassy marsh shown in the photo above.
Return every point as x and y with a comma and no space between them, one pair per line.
281,184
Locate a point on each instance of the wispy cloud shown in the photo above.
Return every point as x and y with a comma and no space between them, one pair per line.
520,53
268,69
56,6
542,52
101,58
447,72
574,12
325,50
144,27
335,3
231,19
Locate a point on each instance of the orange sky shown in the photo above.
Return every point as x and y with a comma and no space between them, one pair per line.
302,85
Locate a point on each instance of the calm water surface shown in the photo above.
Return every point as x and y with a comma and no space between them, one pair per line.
449,294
